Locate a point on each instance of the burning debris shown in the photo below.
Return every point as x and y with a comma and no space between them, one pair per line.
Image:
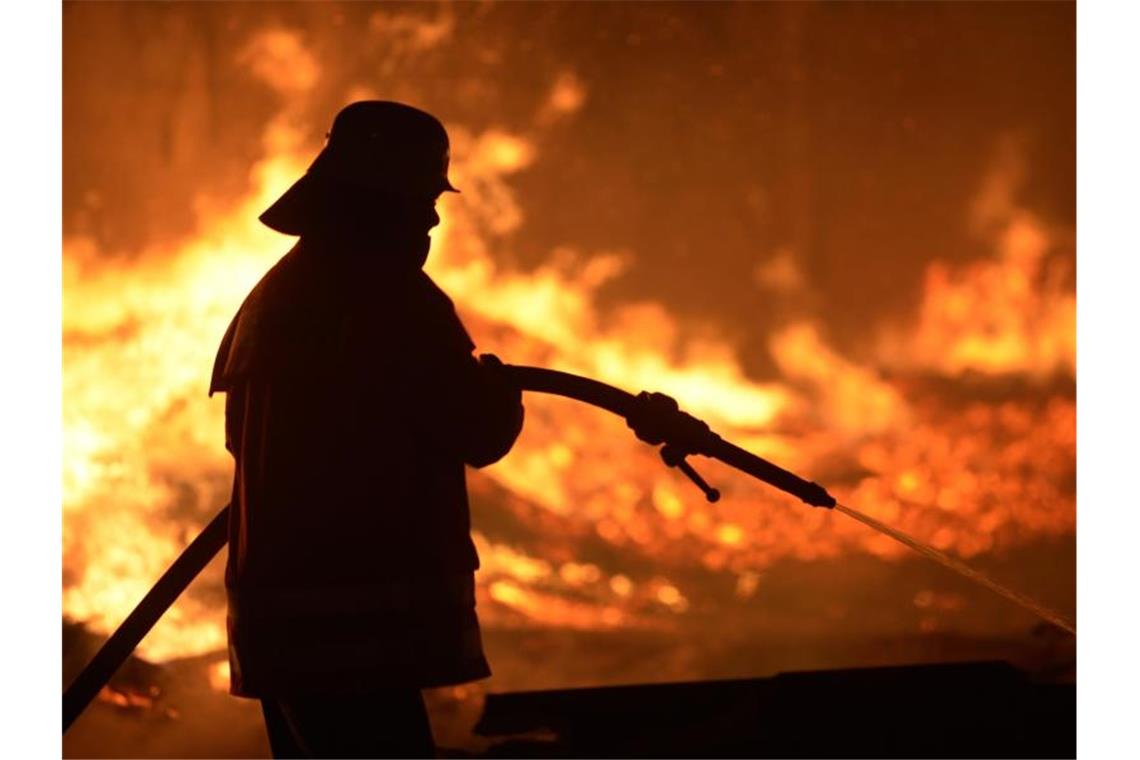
137,687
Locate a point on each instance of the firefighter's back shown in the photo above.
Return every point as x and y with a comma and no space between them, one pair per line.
350,555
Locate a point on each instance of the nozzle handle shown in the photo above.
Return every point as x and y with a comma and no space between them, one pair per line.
674,457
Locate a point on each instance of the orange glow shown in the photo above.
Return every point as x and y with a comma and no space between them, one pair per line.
127,698
219,675
144,465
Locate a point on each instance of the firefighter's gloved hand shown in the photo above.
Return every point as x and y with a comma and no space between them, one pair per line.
493,414
657,418
498,379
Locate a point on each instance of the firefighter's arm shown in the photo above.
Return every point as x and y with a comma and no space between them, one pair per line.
464,405
496,414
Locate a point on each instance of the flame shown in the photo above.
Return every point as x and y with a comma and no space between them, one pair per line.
218,675
566,97
144,465
853,399
126,698
1013,313
277,57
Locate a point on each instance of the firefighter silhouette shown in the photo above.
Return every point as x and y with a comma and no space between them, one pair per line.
353,402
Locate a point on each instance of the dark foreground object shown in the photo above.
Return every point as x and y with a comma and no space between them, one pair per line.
385,723
947,710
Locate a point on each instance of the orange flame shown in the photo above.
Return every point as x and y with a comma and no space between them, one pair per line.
144,465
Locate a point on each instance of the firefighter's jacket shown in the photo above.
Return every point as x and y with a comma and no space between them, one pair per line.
353,403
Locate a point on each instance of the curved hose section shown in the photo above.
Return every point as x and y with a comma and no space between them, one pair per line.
623,404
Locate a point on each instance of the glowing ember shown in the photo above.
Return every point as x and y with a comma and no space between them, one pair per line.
219,675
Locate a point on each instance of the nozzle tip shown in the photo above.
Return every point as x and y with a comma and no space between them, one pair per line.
817,496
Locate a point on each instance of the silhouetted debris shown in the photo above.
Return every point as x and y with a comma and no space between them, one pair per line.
949,710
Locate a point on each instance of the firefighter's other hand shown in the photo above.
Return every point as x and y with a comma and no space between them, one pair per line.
490,360
497,377
657,418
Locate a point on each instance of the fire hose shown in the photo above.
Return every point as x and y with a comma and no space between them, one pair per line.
655,417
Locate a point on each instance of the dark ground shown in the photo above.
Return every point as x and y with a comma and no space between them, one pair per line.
868,607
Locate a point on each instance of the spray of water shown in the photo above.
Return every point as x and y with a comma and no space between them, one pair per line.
962,569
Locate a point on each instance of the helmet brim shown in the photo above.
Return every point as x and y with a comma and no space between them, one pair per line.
292,213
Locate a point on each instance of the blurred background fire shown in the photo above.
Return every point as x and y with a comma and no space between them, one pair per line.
842,234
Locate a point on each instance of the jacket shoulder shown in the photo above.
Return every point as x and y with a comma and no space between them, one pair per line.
265,323
436,311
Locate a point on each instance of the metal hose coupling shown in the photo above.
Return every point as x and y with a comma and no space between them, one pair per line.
656,418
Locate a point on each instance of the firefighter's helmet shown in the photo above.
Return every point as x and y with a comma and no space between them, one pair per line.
374,145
